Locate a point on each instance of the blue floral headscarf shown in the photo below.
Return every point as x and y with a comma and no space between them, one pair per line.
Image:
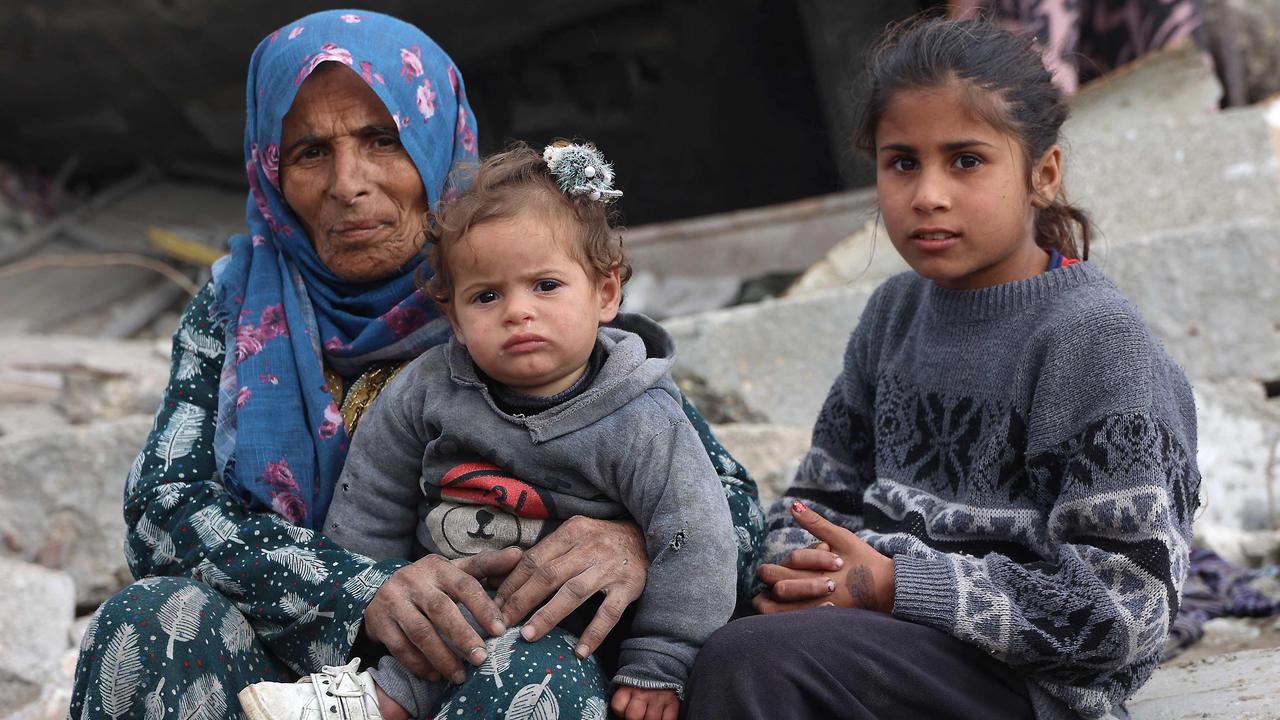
280,442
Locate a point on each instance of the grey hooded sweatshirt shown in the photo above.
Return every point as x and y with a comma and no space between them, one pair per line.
436,467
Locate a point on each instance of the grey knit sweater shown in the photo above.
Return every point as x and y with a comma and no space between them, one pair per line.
438,468
1026,454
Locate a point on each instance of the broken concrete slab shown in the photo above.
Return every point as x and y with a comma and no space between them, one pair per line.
1239,459
767,451
60,501
769,362
865,256
36,612
1171,175
1234,686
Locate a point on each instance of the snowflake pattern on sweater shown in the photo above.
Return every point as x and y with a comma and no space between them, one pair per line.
1026,453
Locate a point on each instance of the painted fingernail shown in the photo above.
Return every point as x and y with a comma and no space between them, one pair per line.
458,678
831,585
527,632
798,507
839,561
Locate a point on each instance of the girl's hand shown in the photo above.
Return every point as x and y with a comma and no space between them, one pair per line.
864,578
633,703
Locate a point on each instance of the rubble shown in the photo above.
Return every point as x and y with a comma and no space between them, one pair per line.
33,636
1232,686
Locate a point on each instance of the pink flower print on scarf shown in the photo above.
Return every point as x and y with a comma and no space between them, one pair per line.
453,79
242,397
426,99
272,323
279,476
369,74
350,19
332,420
403,320
296,31
465,133
328,53
271,165
255,188
334,344
289,506
248,343
411,62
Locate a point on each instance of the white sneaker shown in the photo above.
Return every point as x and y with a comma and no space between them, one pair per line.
334,693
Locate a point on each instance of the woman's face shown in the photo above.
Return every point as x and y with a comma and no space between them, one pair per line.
348,179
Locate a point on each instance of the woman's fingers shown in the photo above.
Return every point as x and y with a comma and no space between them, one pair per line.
766,605
399,645
540,573
802,589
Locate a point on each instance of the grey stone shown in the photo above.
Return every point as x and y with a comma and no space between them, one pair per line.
768,452
771,362
1239,444
865,256
36,611
60,501
1233,686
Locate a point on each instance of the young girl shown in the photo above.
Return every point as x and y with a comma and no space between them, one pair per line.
533,413
1002,480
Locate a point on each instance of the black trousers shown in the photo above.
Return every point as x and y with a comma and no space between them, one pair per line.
839,663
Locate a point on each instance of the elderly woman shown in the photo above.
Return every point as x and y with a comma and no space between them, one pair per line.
355,122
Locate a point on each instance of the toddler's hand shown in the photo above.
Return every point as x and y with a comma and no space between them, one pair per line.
632,703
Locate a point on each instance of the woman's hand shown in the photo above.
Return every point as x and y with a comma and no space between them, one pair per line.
841,569
579,559
416,611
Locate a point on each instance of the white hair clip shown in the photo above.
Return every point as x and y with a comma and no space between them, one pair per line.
581,170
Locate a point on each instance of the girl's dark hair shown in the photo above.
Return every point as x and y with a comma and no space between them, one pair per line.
507,183
1007,86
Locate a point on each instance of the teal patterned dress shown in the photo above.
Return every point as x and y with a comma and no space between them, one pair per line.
227,597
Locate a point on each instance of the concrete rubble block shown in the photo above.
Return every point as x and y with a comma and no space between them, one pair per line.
1209,293
83,380
766,451
866,256
1172,174
36,612
1239,444
771,362
1233,686
60,501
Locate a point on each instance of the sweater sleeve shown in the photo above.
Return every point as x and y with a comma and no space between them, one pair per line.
375,506
675,495
840,462
1111,449
303,595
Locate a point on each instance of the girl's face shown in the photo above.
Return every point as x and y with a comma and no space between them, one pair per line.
953,191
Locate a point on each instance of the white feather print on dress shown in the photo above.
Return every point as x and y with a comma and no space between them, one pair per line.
121,672
205,345
213,576
294,606
534,702
203,700
214,528
169,495
157,540
188,365
180,616
364,584
180,435
237,636
154,704
499,650
90,631
324,653
135,472
300,562
594,709
297,533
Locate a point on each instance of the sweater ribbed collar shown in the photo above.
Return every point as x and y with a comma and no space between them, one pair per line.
1002,300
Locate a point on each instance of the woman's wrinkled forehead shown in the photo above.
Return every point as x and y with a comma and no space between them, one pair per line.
412,76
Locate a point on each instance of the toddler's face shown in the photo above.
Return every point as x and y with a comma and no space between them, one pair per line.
953,191
524,307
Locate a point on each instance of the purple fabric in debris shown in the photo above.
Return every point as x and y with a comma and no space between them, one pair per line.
1217,588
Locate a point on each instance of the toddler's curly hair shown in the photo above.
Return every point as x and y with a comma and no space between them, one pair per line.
513,181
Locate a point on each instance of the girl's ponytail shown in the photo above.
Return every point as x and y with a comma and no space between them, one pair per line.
1065,228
